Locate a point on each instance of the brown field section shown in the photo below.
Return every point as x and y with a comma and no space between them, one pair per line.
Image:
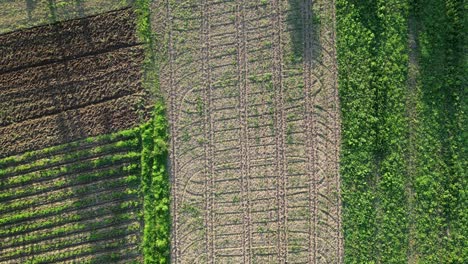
17,14
67,40
70,80
254,122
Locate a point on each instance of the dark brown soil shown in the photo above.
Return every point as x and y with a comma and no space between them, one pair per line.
92,120
70,80
50,89
67,40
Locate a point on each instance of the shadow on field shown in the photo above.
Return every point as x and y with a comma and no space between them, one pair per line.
305,24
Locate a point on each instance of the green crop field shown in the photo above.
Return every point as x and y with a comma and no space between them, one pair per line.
402,84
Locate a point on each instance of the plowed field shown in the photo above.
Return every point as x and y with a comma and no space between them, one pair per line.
254,124
70,80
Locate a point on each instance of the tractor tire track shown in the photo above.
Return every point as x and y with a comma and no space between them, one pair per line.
208,131
310,128
279,130
244,137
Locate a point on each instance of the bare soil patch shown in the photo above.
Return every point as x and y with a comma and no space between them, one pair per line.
254,125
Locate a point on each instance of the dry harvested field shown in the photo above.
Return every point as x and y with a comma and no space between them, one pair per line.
254,123
71,102
69,80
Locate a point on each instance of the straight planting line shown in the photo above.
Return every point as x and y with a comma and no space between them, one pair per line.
65,235
61,220
113,171
244,133
67,210
79,161
74,146
175,251
280,128
310,128
69,58
58,111
208,129
337,137
119,179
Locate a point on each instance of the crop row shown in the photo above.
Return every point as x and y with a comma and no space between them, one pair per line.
72,201
86,143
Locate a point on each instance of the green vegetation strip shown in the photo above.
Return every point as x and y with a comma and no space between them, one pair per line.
155,186
440,214
403,142
155,177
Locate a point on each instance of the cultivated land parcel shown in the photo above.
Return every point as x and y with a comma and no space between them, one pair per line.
253,110
233,131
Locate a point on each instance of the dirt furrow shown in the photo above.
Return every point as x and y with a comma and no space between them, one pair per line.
92,120
55,88
208,131
45,44
310,129
278,87
242,73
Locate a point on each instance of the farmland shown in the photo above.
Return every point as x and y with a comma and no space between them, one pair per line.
51,200
233,131
403,145
75,118
251,93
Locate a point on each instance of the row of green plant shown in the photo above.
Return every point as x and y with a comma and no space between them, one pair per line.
69,157
67,229
440,218
126,243
56,221
71,192
67,181
65,206
155,188
86,143
402,137
72,240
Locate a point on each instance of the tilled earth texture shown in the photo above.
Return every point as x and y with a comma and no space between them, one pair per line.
71,101
17,14
253,107
69,80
